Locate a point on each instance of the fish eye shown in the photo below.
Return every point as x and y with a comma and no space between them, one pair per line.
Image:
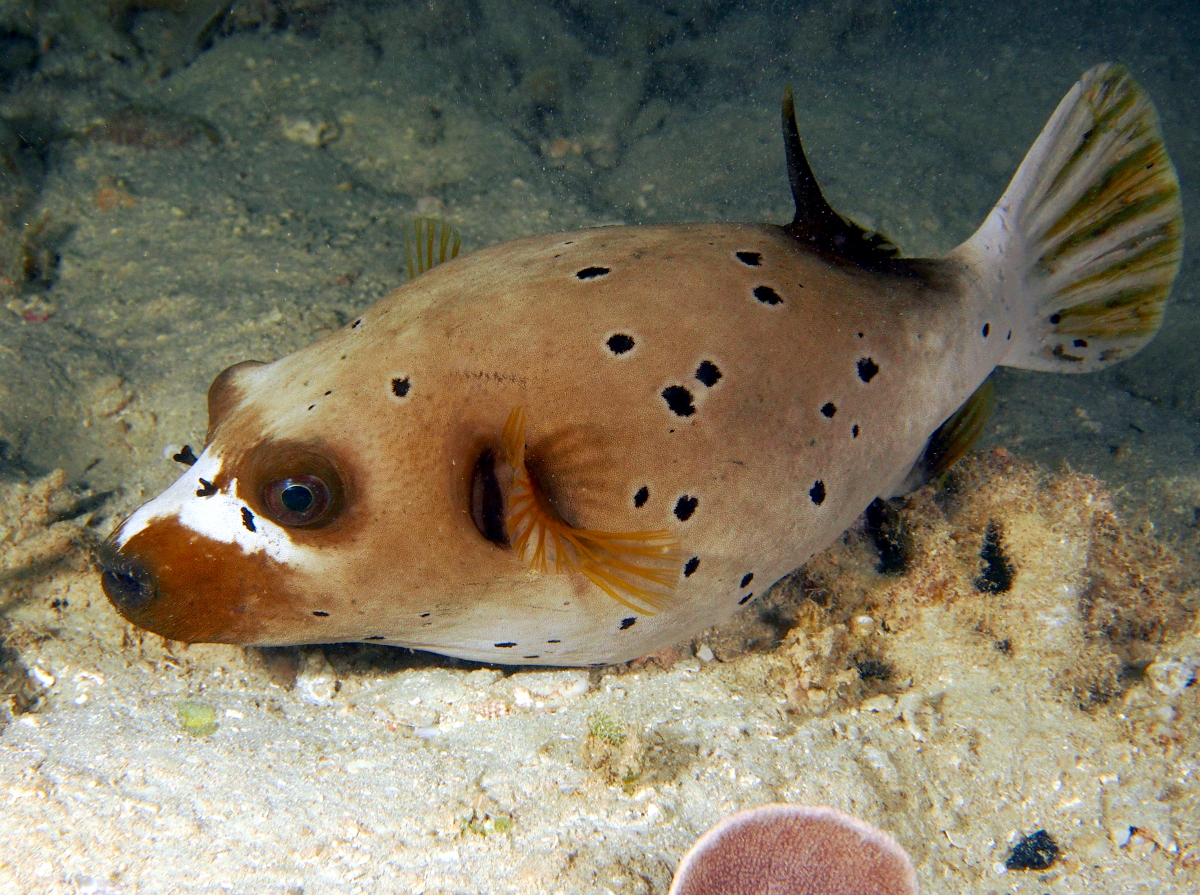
298,501
296,485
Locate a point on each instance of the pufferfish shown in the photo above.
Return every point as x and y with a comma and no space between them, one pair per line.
581,448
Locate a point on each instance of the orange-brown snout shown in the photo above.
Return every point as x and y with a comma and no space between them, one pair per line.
185,586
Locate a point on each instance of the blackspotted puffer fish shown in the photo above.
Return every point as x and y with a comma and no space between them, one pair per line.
580,448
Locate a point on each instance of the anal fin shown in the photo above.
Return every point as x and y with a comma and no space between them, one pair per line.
952,439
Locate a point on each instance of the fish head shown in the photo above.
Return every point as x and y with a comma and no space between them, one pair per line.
315,513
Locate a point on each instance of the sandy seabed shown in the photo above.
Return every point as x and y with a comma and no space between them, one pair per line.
178,211
954,713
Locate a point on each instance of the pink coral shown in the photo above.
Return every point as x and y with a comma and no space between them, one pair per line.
794,849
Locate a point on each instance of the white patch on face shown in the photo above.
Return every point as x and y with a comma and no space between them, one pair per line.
218,516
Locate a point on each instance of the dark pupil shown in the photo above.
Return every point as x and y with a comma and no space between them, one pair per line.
297,498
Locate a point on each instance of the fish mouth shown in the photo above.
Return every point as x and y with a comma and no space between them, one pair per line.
128,584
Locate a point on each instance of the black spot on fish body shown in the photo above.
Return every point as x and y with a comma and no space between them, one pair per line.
867,368
854,430
685,507
828,410
1056,319
690,566
679,399
554,641
401,386
620,343
1078,343
426,614
375,637
185,456
320,613
206,489
357,323
590,273
817,492
750,259
746,599
708,373
987,327
627,623
643,495
534,656
746,579
248,519
767,295
505,645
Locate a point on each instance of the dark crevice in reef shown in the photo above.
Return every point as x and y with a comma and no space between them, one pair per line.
997,572
885,526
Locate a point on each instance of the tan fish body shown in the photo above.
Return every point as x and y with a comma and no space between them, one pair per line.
679,415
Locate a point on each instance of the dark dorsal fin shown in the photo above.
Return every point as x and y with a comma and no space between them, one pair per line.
816,224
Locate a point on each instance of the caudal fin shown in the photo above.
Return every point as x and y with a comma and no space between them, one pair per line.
1087,239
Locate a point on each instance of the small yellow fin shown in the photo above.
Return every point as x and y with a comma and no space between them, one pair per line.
428,242
952,439
638,569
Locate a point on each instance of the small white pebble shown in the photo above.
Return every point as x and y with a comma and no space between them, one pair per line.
1170,678
315,682
881,703
864,625
704,653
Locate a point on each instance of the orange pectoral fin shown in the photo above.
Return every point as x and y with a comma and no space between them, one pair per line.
638,569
